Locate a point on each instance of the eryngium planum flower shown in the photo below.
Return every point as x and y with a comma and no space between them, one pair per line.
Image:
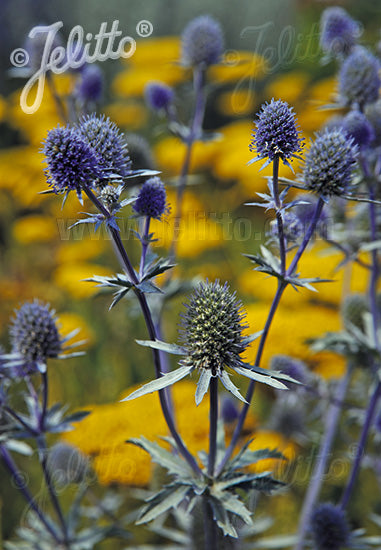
67,464
107,142
34,334
330,530
276,134
212,328
90,85
338,31
71,161
357,126
152,199
329,163
158,95
359,79
212,334
202,42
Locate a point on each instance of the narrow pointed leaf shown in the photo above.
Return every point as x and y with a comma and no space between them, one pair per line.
162,346
160,383
173,463
224,377
165,500
202,385
261,378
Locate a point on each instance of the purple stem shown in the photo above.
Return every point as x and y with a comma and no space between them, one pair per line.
361,446
279,219
250,391
145,243
41,443
374,311
281,287
307,236
123,256
10,464
213,418
195,129
44,401
317,477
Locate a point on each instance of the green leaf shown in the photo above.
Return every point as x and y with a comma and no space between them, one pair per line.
202,385
248,457
160,383
264,379
171,462
168,498
162,346
224,377
222,517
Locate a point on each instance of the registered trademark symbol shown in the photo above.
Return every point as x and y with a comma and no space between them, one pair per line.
144,28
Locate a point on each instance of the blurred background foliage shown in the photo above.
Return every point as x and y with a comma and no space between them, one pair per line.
272,51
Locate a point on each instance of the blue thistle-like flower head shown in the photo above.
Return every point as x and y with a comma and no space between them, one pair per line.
329,163
67,464
152,199
202,42
34,334
71,161
109,144
359,79
212,328
90,85
277,134
329,527
358,127
158,95
338,31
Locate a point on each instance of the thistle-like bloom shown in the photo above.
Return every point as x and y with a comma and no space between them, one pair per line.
357,126
212,336
359,78
71,161
373,114
338,31
152,199
202,42
329,163
34,338
330,528
90,85
277,134
158,95
104,138
67,464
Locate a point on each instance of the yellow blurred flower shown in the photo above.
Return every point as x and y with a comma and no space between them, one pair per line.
22,174
239,66
71,321
274,442
237,102
289,86
195,233
34,228
290,330
170,154
151,51
104,432
80,250
70,277
127,114
133,81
